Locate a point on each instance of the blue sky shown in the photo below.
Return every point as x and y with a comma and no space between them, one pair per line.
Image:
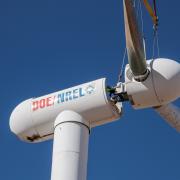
48,45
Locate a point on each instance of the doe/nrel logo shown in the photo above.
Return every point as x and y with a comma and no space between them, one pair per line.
63,97
90,89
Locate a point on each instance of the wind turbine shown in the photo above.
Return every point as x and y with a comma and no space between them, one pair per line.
68,115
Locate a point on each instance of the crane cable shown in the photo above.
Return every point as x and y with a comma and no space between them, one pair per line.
122,66
155,44
155,33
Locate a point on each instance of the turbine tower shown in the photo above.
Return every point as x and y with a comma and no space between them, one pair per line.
67,116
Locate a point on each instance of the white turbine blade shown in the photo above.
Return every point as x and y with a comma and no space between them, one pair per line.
171,114
134,41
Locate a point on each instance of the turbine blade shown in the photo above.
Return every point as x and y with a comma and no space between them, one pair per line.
171,114
134,41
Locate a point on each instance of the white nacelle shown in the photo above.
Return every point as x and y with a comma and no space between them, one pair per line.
33,119
161,87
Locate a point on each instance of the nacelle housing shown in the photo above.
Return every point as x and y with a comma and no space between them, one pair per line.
33,119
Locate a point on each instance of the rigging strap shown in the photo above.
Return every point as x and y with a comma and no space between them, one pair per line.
155,8
152,11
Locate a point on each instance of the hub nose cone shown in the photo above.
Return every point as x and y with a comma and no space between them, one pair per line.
166,76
